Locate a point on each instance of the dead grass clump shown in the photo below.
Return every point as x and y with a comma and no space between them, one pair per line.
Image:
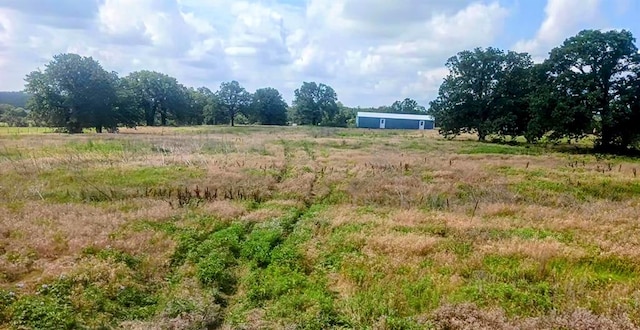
263,214
469,317
149,209
408,218
401,245
580,319
540,250
346,214
225,210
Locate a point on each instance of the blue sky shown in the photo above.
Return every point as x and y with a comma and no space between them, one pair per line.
371,52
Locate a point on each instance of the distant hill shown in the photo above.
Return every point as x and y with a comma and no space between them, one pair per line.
17,99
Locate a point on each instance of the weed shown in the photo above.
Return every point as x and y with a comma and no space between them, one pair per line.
41,312
481,148
307,227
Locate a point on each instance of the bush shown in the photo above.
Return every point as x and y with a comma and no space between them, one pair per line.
41,312
214,270
259,245
6,299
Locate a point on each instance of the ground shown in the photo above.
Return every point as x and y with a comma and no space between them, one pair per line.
268,228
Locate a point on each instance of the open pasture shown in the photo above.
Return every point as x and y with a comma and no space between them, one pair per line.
294,227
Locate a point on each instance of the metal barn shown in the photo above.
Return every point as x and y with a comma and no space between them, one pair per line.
394,121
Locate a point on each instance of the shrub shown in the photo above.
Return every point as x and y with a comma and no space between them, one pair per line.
214,270
260,243
41,312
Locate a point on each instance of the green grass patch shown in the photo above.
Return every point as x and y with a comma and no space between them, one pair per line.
212,147
106,146
488,148
91,299
520,298
386,292
348,144
422,145
596,272
112,183
582,189
24,131
514,284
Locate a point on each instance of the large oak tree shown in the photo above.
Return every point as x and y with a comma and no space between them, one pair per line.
158,96
233,99
484,93
73,92
268,107
315,104
594,75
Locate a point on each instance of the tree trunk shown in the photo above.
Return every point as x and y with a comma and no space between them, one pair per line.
482,135
98,128
163,118
150,115
606,134
150,118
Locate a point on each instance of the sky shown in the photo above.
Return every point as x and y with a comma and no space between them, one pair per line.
372,52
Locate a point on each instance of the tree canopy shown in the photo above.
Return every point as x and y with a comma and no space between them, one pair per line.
483,93
588,85
269,107
73,92
233,99
407,105
13,116
594,71
315,104
158,97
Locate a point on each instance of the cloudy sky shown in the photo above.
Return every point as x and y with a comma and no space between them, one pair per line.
371,52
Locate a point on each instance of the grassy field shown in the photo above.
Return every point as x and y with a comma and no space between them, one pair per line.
314,228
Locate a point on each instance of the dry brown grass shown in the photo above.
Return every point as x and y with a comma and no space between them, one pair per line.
391,210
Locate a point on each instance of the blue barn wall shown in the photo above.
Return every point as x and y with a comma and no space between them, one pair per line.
368,122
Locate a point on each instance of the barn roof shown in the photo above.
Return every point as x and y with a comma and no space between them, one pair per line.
384,115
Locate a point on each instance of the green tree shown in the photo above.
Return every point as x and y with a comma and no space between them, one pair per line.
269,107
593,71
128,112
212,111
198,100
5,107
346,117
158,96
407,106
73,92
315,104
484,93
233,99
627,110
553,113
511,106
12,116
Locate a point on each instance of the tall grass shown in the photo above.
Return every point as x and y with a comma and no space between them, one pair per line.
317,228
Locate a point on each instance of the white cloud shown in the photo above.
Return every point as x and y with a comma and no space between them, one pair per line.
563,19
371,52
384,65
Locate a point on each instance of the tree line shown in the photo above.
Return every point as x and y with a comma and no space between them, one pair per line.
75,92
12,108
588,85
